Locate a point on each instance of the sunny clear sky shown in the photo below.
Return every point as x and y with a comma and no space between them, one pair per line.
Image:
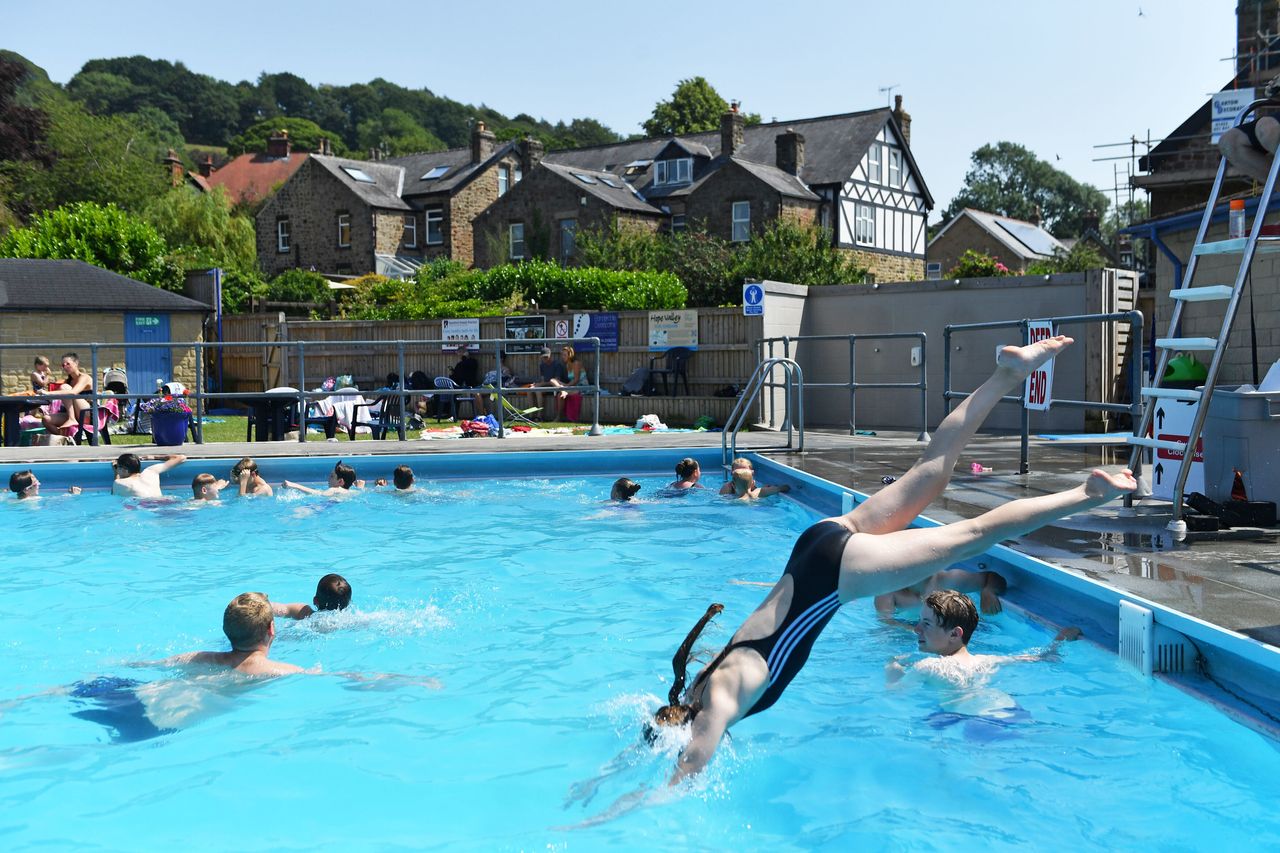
1058,76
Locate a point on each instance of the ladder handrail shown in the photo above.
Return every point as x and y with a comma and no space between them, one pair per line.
793,417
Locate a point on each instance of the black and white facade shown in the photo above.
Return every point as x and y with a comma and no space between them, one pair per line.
883,206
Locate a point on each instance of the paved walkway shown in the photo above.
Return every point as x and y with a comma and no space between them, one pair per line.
1231,583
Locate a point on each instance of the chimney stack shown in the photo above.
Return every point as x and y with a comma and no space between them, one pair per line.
790,151
278,145
731,125
482,143
1092,222
176,172
904,120
531,151
206,168
324,147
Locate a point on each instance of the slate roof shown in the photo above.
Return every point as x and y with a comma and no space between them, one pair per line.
251,176
621,196
67,285
388,180
992,224
458,160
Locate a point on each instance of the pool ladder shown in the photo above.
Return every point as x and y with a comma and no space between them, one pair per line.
793,414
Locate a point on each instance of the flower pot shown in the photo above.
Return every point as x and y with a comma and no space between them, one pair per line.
169,428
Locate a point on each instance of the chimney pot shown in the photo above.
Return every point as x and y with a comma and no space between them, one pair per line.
483,143
278,144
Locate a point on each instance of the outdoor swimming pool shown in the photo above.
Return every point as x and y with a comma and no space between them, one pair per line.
549,617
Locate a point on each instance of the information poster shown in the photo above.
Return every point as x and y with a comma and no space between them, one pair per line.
526,334
457,333
669,329
603,326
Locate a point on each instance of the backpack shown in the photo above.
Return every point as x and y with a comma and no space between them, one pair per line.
636,383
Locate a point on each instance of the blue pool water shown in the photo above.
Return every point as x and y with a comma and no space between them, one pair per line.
549,618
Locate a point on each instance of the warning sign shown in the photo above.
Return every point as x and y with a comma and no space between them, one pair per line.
1039,391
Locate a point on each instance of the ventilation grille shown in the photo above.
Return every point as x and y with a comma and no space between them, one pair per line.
1149,647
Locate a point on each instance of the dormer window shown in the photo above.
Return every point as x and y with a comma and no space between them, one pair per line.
679,171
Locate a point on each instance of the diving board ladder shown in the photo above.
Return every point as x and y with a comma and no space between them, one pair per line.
1191,291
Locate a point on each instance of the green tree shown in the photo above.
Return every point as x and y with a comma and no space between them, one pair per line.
395,132
304,135
1081,258
694,106
105,236
1010,180
203,231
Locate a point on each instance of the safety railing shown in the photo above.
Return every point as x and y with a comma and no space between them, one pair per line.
1133,407
746,402
489,351
852,385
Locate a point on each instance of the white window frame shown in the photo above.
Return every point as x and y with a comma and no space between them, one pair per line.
410,231
512,241
864,224
282,235
435,217
741,231
875,170
895,168
679,222
344,230
504,180
675,171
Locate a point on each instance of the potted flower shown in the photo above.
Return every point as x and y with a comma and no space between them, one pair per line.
169,418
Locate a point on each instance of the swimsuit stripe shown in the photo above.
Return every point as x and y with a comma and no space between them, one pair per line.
796,632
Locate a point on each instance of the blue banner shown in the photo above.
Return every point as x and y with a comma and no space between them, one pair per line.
603,326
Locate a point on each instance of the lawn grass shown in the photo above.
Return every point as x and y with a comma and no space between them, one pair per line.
225,428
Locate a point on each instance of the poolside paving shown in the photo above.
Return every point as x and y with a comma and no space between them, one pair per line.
1232,583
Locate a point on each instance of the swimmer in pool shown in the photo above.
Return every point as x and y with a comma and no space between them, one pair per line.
742,483
342,479
245,475
866,553
688,472
402,476
989,586
249,624
132,481
332,593
26,485
623,490
206,487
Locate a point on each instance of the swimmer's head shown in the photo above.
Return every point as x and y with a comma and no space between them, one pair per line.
126,465
623,489
403,477
343,475
24,484
687,468
245,464
332,593
675,712
947,622
740,462
204,487
248,622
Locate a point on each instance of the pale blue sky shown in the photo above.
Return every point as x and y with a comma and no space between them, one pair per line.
1059,76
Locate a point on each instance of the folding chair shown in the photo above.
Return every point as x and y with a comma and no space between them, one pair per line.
677,368
512,414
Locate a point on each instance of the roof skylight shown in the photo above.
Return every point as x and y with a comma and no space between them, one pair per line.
358,175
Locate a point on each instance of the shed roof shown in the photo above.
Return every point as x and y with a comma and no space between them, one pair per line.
69,285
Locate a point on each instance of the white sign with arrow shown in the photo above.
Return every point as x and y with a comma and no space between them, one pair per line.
1173,423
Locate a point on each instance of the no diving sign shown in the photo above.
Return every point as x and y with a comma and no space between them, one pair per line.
753,300
1039,391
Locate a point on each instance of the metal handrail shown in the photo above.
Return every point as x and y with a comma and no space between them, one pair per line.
302,397
733,424
922,385
1134,407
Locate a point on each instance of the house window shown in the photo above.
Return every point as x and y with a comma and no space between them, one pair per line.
933,270
516,241
868,277
568,235
895,168
678,171
410,231
435,226
864,224
344,230
678,222
873,163
741,221
504,180
518,176
282,235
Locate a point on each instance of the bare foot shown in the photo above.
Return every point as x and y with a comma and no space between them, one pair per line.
1103,485
1022,360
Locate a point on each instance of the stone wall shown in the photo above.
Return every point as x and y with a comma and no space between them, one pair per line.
388,228
884,267
966,234
712,203
470,201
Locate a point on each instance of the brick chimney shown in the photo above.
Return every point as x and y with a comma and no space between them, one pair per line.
1091,223
206,168
176,172
790,148
731,125
903,118
531,151
482,143
1036,216
278,144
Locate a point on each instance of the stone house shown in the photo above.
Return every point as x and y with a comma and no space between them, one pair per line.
56,302
352,217
1014,242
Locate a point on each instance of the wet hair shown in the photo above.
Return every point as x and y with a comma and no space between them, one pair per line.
686,467
129,463
676,713
247,621
954,609
20,481
623,489
333,593
245,464
402,476
200,481
346,474
741,462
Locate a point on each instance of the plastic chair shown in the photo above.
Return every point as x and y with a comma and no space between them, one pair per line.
677,359
388,417
455,400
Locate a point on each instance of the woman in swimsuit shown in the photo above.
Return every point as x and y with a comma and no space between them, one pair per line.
865,553
76,383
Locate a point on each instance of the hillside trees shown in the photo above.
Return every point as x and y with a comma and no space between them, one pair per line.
694,106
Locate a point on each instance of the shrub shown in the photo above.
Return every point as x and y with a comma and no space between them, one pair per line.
975,264
298,286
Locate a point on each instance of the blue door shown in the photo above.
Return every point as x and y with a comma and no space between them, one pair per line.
146,365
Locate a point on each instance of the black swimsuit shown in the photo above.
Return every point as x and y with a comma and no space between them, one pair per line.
815,597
